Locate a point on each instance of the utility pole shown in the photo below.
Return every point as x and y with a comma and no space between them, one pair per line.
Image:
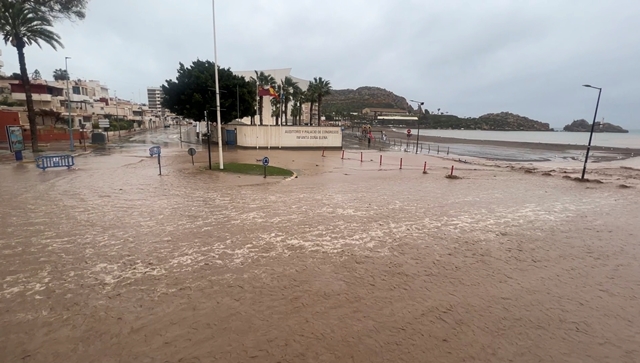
66,68
215,56
208,139
115,93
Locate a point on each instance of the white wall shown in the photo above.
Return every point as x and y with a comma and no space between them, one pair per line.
287,136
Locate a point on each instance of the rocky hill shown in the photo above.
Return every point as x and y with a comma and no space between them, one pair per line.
503,121
583,125
355,100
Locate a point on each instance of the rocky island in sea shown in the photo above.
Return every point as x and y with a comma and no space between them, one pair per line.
583,125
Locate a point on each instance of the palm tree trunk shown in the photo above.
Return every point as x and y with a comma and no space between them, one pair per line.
319,106
31,112
260,101
311,114
286,110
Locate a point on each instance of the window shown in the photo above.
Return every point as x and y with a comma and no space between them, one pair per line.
76,90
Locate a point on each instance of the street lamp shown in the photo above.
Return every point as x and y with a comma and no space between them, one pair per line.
215,59
418,136
66,69
593,125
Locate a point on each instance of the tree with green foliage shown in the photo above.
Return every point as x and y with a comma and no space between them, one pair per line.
60,9
23,25
287,85
311,98
264,81
193,93
322,89
36,75
297,95
60,74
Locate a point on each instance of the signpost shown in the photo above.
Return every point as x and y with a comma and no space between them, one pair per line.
265,163
104,124
156,150
16,141
408,132
192,152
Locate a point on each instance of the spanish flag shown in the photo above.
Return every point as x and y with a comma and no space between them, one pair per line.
274,93
268,92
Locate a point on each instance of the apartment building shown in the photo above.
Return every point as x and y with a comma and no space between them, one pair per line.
85,103
154,96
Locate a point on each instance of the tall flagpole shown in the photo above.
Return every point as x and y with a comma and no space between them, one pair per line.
215,59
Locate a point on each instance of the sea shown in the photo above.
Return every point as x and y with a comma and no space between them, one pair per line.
629,140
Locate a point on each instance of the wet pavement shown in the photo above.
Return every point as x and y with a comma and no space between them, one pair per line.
351,261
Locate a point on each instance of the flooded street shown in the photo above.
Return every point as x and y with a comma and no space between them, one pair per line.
349,262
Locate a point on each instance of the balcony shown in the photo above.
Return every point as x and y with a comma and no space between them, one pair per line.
36,97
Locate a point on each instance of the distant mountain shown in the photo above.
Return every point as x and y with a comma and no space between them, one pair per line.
583,125
503,121
355,100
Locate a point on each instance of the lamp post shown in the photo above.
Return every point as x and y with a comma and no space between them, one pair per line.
66,69
215,59
593,126
418,136
115,100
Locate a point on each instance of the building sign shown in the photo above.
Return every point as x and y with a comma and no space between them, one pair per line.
311,136
16,141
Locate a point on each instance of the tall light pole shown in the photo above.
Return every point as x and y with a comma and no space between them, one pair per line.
418,136
593,126
215,59
66,69
115,100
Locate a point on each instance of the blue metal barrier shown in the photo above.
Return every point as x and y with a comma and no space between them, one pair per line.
55,161
154,150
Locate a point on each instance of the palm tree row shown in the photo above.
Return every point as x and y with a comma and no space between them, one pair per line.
292,94
23,24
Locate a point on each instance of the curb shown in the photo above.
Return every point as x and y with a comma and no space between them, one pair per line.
292,177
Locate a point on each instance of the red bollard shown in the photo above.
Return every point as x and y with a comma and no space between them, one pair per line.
323,153
360,156
400,163
451,170
380,160
342,155
424,171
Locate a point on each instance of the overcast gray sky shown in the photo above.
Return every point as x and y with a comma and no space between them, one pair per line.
468,57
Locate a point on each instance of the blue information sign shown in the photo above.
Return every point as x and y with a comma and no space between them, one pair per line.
265,161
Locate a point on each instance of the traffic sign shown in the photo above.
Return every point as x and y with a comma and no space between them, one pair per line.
191,153
265,161
408,131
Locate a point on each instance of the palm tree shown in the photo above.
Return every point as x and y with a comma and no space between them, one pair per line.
311,98
23,25
288,85
60,75
322,89
263,80
275,105
297,94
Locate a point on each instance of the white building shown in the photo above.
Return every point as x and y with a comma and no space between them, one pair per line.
154,97
279,75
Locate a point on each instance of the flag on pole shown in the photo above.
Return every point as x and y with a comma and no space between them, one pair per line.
264,92
273,93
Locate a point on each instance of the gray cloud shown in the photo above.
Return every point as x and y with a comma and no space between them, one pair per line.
466,57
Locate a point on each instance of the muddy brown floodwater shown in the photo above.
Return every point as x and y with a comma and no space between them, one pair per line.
349,262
